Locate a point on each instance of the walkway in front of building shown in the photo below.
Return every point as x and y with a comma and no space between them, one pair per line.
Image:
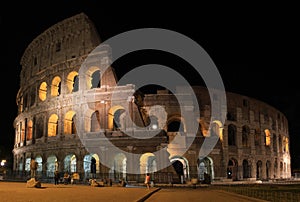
18,192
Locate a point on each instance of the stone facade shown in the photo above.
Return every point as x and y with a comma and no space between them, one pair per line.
69,114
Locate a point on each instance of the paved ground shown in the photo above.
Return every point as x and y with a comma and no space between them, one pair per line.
199,194
18,192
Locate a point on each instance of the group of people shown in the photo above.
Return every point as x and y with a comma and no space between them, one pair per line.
67,178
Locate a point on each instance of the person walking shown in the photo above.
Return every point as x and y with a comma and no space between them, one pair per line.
56,177
147,180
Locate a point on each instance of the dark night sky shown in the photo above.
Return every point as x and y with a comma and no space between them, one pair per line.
253,46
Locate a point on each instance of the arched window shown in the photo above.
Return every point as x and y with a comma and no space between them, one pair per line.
267,137
56,86
175,126
29,130
73,82
231,135
69,123
43,91
52,125
95,122
96,79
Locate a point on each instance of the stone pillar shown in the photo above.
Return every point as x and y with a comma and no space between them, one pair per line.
253,169
252,141
263,170
225,157
79,164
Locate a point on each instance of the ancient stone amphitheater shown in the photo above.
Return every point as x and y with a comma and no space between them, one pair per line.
68,115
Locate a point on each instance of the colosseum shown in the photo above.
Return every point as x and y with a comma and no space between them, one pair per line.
71,119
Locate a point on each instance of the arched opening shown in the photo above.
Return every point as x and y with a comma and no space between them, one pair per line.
232,169
39,161
52,125
70,163
39,127
51,165
231,135
56,86
175,126
259,169
181,166
120,166
93,78
114,114
205,167
148,163
69,123
43,91
91,165
267,137
246,169
27,165
29,130
117,124
96,79
73,82
95,121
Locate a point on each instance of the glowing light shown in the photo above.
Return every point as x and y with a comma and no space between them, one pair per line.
154,126
3,162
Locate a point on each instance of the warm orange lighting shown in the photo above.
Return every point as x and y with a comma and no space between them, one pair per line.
268,137
55,86
52,125
43,91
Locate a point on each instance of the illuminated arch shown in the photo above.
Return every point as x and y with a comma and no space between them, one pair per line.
56,86
70,163
51,165
205,165
43,91
181,166
52,125
216,129
232,169
90,77
29,130
120,166
267,137
111,115
87,160
148,163
72,82
69,123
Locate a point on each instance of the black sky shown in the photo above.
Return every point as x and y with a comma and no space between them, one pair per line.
254,46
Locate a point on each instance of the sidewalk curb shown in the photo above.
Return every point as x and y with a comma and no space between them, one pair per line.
147,195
